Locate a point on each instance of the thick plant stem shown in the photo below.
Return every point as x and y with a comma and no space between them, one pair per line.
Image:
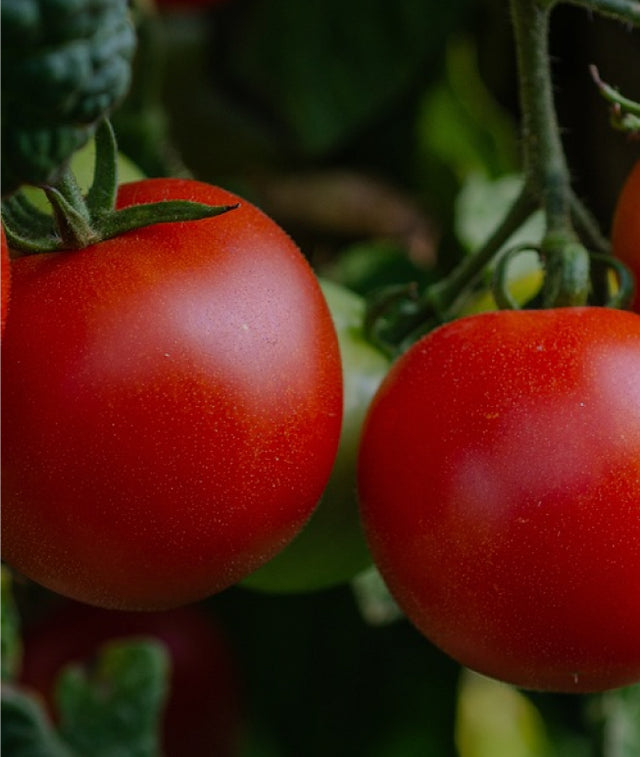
546,170
544,160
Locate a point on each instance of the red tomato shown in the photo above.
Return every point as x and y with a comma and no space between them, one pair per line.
172,404
499,477
625,234
201,717
4,279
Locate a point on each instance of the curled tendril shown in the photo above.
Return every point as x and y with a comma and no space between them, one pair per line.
622,296
500,287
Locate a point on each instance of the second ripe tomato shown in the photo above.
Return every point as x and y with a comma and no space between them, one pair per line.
499,478
172,404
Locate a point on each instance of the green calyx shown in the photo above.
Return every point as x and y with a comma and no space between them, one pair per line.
78,220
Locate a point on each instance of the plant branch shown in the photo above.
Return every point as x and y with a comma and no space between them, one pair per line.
627,11
443,295
544,159
587,227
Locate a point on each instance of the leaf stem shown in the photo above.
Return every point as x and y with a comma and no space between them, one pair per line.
443,295
627,11
544,159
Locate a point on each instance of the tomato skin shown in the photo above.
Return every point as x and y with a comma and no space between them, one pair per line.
203,708
172,405
625,232
499,479
331,548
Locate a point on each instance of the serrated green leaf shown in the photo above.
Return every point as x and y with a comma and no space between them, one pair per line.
26,731
114,708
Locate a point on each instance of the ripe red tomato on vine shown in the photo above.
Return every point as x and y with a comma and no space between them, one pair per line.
499,478
172,403
625,233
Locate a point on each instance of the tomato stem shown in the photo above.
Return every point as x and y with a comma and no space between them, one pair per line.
566,261
544,159
78,221
627,11
443,296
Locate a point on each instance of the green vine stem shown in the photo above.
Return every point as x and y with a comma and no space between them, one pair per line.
569,279
625,113
627,11
543,155
442,297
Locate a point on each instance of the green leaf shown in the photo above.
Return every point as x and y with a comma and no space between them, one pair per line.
494,719
366,266
480,206
326,68
482,203
616,718
77,57
11,648
26,731
460,123
113,709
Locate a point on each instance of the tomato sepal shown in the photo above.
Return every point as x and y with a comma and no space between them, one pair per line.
78,221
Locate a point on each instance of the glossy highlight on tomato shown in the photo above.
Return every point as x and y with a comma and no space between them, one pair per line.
499,478
172,404
625,233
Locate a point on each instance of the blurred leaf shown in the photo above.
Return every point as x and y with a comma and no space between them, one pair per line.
460,123
481,205
374,601
26,732
326,67
366,266
9,629
616,717
114,708
496,720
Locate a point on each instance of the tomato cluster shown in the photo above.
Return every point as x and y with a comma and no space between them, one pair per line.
172,406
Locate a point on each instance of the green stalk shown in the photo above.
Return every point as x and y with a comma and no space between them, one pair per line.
567,262
544,160
442,297
79,221
627,11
